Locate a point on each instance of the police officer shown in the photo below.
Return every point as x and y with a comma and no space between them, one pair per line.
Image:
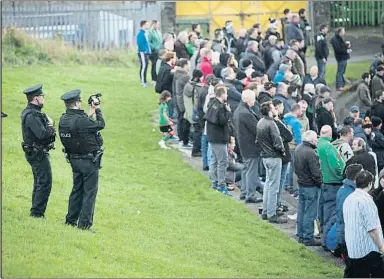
82,143
38,138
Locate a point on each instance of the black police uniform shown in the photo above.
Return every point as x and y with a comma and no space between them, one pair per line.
82,143
38,139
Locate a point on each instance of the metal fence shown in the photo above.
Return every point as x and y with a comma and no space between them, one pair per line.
356,13
82,24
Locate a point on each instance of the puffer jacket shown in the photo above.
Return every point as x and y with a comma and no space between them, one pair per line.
268,136
348,188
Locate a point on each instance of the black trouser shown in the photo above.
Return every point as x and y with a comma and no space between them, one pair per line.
197,133
143,66
42,182
348,271
153,57
371,266
183,127
83,196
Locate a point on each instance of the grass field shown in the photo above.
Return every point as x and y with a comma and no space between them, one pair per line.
155,216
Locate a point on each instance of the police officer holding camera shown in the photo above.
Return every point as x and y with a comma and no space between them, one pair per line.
79,134
38,138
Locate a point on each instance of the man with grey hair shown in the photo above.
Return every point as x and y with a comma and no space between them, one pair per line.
252,53
361,156
282,95
307,169
181,46
245,121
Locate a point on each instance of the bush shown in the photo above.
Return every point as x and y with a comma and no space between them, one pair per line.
19,49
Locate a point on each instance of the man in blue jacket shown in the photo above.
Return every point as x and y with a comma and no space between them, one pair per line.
349,186
144,50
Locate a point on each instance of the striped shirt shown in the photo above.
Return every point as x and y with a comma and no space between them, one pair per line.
361,217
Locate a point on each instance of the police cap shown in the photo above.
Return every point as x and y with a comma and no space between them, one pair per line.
71,96
34,91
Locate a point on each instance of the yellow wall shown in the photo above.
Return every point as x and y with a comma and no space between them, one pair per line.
220,11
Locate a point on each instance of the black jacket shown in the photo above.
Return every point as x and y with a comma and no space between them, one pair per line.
307,166
257,61
321,46
264,97
377,145
164,79
268,136
224,57
363,158
245,121
340,48
287,137
241,46
217,123
377,109
234,96
324,117
181,50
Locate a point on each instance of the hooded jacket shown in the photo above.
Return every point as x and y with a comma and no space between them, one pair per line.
377,84
206,68
344,149
332,165
181,78
324,117
224,57
294,126
348,188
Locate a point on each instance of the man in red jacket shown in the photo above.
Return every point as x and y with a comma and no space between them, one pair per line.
206,65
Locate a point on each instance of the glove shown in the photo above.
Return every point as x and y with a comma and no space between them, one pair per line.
308,28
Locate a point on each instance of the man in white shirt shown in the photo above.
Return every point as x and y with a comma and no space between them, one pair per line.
363,232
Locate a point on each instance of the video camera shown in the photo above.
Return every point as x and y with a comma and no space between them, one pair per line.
95,99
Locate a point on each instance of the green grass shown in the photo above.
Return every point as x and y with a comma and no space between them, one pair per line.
155,215
354,71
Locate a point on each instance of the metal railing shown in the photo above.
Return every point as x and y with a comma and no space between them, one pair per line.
85,24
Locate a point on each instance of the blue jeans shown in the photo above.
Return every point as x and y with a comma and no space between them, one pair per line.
284,169
341,68
329,192
321,65
272,184
307,212
204,151
209,155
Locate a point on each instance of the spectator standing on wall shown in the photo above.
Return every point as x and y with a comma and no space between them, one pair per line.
321,49
342,50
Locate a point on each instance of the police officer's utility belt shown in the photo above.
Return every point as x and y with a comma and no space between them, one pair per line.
95,156
34,148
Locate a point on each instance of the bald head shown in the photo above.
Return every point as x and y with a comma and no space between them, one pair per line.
326,131
248,97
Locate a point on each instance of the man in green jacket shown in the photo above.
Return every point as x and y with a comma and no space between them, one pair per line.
332,166
155,39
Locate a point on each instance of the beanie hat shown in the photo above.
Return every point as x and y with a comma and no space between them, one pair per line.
246,63
376,121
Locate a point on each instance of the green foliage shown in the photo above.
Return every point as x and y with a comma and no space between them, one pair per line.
155,215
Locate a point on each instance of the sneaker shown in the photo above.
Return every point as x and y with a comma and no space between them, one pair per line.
279,213
225,191
301,240
186,146
144,84
253,200
313,242
3,115
162,145
292,217
277,220
242,197
173,138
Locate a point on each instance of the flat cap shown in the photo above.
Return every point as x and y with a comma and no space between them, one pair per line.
34,90
71,96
